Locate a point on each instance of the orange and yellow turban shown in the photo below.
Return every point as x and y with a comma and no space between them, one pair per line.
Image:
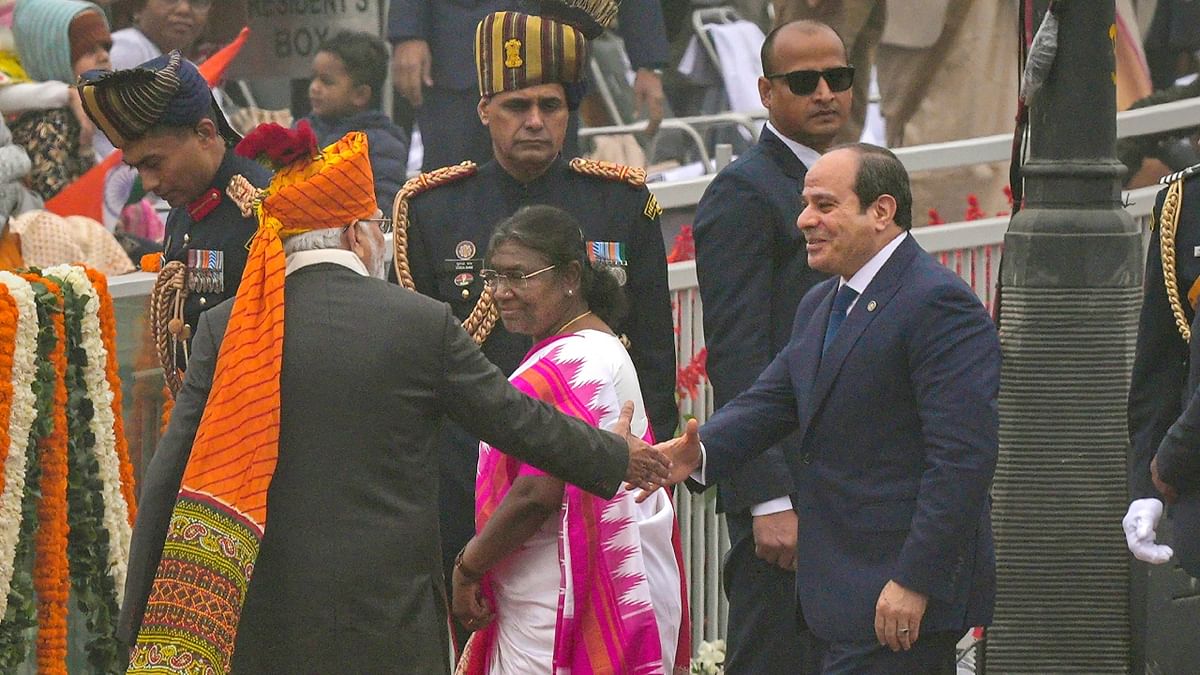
332,188
224,489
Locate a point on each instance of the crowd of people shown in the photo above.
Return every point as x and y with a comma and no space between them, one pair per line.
471,453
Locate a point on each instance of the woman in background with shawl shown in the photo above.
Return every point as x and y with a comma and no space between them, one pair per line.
557,580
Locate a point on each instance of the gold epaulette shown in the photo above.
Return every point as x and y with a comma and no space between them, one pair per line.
244,194
411,188
609,171
619,173
1168,223
483,316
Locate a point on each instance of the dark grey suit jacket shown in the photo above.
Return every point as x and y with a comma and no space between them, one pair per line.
348,578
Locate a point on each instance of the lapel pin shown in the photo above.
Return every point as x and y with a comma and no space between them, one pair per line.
871,306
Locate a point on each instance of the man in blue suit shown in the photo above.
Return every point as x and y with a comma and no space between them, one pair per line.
890,381
753,270
433,66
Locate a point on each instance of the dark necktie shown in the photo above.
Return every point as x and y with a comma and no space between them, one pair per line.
841,304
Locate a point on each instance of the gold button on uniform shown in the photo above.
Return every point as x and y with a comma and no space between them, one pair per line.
203,301
871,306
466,294
186,236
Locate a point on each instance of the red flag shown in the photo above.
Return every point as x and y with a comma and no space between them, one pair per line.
85,196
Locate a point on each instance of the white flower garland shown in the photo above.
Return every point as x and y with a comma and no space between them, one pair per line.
95,375
709,659
20,424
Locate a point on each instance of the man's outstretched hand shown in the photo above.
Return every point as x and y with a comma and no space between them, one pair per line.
648,467
683,455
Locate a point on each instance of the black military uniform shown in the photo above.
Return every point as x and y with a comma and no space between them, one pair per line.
1159,388
448,233
212,237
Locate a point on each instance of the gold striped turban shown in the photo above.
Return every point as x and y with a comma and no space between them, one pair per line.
514,51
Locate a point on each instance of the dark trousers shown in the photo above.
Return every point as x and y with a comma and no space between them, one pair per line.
932,654
1185,523
452,133
765,635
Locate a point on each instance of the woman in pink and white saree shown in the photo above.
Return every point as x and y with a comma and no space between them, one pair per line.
557,580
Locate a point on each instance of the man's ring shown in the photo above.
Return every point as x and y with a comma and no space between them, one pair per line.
901,630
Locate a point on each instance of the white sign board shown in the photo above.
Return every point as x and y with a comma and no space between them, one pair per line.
285,34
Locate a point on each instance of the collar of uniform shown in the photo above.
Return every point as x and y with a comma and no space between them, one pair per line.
337,256
204,204
507,180
211,198
228,168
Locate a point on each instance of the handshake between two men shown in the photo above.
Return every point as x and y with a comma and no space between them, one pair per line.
655,466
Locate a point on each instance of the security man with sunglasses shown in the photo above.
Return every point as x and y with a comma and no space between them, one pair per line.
530,70
753,270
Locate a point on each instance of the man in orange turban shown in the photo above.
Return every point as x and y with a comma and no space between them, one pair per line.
314,396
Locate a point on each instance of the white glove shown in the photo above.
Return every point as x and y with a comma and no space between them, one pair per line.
1139,523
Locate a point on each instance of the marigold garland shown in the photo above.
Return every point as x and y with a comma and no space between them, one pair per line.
18,413
9,316
64,457
108,327
98,542
51,570
21,616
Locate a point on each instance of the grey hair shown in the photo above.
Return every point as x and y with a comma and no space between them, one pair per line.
316,240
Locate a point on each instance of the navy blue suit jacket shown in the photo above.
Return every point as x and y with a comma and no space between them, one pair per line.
449,28
899,434
753,269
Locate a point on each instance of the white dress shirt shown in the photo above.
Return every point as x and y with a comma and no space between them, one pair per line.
338,256
803,153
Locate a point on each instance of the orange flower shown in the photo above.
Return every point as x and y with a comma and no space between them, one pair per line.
151,262
9,315
51,576
108,332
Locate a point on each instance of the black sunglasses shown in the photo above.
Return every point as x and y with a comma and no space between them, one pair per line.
804,82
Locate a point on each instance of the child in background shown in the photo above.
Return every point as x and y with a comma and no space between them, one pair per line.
58,40
348,75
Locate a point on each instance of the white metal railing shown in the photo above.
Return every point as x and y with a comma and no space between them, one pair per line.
971,151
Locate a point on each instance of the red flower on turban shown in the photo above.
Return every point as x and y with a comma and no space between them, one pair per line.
278,146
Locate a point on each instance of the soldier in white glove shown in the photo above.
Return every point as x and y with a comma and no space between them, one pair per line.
1164,412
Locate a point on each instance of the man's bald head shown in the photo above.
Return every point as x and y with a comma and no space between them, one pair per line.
799,29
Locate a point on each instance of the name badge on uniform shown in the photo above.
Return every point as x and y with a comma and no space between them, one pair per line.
610,257
205,271
459,266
